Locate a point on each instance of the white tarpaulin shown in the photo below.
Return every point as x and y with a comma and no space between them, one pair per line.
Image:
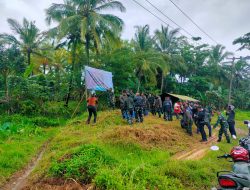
98,80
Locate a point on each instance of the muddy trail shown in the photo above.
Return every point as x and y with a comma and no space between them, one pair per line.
19,179
198,151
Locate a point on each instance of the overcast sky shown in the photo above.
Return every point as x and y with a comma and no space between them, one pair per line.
224,20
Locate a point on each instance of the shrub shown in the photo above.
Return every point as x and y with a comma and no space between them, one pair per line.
83,164
7,129
55,109
44,122
28,107
108,179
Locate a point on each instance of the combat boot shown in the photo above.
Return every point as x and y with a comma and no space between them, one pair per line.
219,140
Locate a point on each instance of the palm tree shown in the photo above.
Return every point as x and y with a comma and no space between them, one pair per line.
218,74
165,39
146,59
143,40
239,72
147,64
29,37
165,42
218,54
87,17
244,42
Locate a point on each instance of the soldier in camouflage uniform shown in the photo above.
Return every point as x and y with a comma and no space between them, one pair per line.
224,126
188,120
129,107
111,98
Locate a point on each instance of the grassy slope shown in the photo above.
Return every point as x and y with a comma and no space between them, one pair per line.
141,154
17,149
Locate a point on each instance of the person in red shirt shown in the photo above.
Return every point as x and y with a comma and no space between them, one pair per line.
92,107
177,109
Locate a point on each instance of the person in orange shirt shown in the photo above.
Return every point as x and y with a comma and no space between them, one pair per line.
92,107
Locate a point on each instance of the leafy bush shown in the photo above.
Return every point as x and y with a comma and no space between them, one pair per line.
7,129
83,164
12,126
45,122
31,121
91,164
28,107
55,109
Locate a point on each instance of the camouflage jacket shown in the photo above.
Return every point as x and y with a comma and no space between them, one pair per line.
222,121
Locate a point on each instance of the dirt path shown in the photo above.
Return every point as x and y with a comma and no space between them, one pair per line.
19,179
197,152
200,150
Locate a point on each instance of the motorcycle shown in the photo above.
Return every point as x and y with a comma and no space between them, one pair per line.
245,141
239,177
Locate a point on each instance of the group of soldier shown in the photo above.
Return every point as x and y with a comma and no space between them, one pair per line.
137,106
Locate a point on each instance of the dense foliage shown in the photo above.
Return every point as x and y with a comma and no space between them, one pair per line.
39,69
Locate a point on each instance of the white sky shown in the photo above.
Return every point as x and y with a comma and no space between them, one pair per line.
224,20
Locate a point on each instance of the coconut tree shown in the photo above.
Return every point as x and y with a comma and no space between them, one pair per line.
87,17
217,72
243,41
165,39
146,59
165,42
29,37
143,40
218,54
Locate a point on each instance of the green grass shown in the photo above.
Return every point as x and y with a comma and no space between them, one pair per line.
20,140
135,163
112,155
242,115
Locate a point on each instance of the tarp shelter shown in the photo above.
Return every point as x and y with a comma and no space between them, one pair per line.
176,97
98,80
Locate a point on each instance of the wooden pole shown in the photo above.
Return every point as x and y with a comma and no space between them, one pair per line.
86,96
231,81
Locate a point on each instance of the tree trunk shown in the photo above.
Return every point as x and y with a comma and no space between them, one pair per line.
6,87
72,74
87,46
29,60
139,85
69,91
162,82
44,69
28,54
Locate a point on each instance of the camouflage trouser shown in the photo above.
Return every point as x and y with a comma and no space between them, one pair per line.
189,127
152,109
138,114
130,115
159,111
223,130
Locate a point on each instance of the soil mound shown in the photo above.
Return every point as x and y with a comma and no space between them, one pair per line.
164,136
